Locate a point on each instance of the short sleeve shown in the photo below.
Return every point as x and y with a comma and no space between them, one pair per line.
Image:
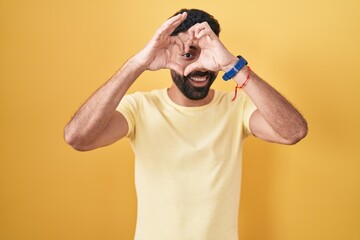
127,107
249,108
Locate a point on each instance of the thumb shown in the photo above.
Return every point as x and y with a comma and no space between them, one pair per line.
191,67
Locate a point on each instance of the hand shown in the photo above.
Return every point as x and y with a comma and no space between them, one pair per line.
157,54
214,56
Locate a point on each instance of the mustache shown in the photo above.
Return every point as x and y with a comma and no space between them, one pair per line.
200,74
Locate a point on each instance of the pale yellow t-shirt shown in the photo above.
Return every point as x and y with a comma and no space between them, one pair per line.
187,164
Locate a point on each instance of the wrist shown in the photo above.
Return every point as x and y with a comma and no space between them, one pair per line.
242,76
243,83
235,69
232,61
136,62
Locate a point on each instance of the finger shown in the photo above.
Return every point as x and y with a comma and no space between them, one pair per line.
173,20
200,30
203,31
187,45
179,21
179,43
171,24
191,31
192,67
195,29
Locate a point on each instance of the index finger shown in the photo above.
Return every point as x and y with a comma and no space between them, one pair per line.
172,23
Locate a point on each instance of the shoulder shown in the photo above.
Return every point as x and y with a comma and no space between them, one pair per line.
140,98
142,95
227,98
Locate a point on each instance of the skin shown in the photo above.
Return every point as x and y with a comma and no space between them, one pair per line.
194,57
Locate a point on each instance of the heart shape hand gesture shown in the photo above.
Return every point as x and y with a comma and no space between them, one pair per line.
213,56
158,53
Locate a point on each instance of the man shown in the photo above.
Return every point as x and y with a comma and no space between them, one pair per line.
187,138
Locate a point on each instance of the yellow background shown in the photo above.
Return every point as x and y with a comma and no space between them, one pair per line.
54,54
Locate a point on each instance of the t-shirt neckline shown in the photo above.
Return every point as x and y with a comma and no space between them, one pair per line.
196,108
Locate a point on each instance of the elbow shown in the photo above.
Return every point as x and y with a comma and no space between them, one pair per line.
74,140
300,133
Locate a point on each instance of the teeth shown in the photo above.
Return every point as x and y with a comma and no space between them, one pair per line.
199,79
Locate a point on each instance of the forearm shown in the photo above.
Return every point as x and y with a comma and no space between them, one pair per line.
94,115
277,111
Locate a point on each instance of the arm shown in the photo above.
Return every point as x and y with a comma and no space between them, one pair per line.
97,123
275,119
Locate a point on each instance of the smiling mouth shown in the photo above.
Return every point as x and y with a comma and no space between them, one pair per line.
199,79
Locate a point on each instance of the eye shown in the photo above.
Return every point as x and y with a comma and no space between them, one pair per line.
188,55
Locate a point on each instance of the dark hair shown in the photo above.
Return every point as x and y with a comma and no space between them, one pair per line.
196,16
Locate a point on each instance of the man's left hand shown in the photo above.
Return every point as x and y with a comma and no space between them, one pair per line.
214,56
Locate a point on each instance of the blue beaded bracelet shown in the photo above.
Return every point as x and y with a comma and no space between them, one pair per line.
238,66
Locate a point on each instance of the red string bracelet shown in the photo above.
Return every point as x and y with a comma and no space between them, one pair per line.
243,84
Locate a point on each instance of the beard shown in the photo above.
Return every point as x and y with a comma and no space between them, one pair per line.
188,89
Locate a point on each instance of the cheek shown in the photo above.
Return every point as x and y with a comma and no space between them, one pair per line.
178,59
177,78
183,62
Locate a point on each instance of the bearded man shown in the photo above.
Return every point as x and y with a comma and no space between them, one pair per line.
187,138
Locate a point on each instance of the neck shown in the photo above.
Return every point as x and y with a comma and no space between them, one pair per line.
179,98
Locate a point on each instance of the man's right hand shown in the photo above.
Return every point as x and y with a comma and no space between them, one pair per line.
157,54
97,123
